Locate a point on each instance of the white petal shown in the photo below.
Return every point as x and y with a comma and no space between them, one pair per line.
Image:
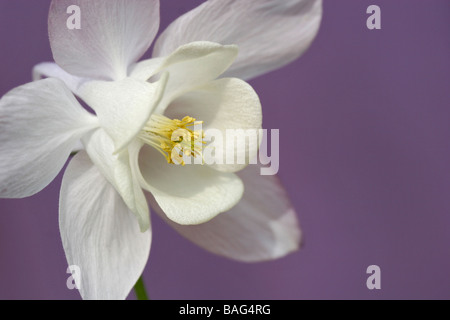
269,33
263,226
116,168
226,105
52,70
113,34
191,194
123,107
189,66
99,234
40,124
143,70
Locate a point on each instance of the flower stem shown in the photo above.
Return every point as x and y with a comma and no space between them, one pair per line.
139,289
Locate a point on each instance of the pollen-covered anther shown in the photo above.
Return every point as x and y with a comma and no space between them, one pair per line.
174,138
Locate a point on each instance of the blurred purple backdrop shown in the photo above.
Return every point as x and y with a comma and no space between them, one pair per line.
368,169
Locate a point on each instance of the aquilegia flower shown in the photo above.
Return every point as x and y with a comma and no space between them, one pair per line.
196,75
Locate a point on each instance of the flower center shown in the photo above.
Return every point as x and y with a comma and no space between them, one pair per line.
174,138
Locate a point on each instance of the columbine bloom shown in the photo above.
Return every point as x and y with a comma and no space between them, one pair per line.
197,73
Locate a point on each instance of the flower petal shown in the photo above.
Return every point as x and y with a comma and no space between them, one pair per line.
99,234
123,107
116,168
262,226
40,124
231,106
189,66
269,33
52,70
144,70
191,194
113,34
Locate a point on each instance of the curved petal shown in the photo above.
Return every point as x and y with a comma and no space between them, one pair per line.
269,33
144,70
99,234
40,124
123,107
189,66
232,107
116,168
113,34
262,226
52,70
191,194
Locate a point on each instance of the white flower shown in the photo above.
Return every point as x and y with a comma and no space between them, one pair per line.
102,190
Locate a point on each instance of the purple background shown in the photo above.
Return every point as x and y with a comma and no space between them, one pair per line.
364,118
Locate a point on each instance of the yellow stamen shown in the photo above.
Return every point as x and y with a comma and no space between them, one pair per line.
174,138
